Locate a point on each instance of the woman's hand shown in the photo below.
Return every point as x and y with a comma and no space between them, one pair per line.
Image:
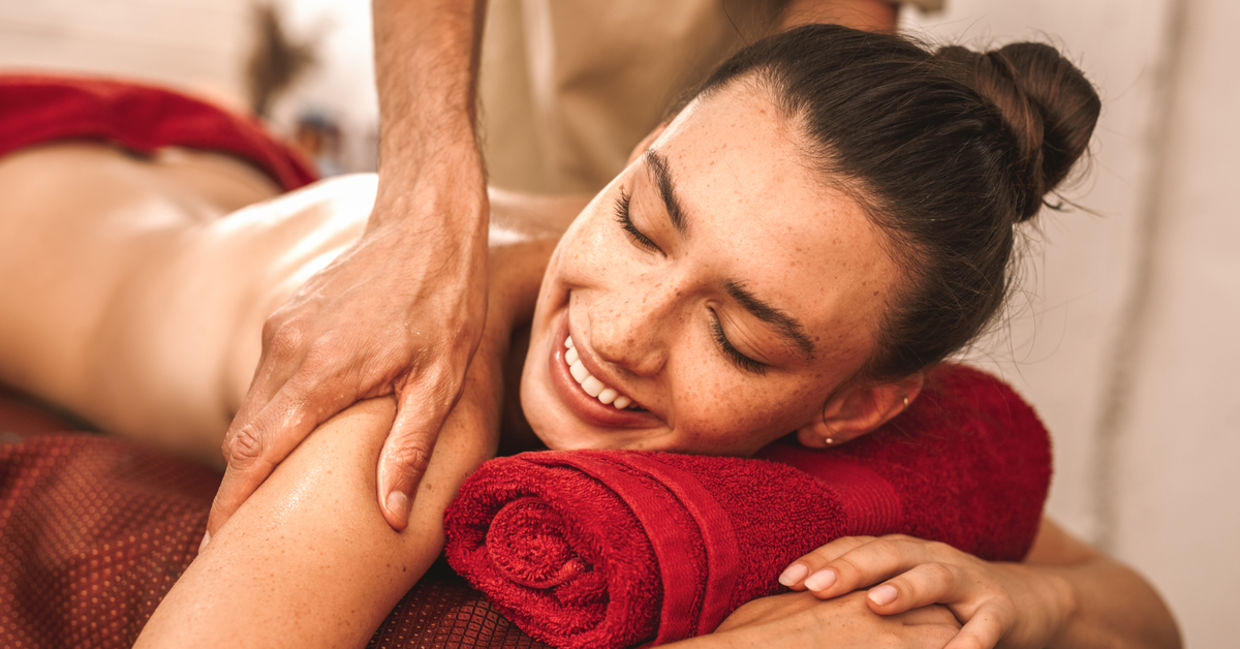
998,603
805,622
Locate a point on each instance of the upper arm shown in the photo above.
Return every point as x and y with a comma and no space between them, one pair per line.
309,560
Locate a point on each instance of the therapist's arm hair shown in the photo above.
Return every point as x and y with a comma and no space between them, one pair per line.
421,262
426,66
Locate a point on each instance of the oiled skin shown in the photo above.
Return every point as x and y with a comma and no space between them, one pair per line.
134,292
138,290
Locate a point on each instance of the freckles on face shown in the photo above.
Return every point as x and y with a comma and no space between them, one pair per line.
718,282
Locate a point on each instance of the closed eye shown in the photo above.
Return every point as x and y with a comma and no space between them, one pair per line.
740,360
625,219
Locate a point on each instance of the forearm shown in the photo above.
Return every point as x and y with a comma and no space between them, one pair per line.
426,59
308,560
1108,604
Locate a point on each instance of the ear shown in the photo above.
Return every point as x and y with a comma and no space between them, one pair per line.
859,409
647,141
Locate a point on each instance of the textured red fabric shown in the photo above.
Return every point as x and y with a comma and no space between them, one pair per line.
609,549
95,530
35,109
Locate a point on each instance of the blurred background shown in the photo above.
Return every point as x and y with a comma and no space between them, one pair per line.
1123,333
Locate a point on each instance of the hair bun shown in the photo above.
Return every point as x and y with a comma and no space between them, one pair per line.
1047,103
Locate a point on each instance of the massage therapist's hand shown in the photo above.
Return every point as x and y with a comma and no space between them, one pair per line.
402,311
399,313
1000,604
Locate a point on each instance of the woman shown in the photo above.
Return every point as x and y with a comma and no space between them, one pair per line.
831,214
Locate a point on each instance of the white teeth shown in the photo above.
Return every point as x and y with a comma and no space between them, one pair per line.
578,371
589,384
592,386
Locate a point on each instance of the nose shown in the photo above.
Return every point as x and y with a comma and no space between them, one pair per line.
631,328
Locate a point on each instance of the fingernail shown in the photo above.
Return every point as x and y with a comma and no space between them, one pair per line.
398,503
820,580
793,574
206,538
883,595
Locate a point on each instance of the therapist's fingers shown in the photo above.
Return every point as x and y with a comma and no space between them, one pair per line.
422,406
255,445
266,382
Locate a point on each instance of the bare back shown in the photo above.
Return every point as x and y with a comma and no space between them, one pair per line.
136,287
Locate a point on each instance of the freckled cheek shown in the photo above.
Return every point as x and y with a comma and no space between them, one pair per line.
718,419
586,255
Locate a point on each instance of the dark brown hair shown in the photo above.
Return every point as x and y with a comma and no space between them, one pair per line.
948,150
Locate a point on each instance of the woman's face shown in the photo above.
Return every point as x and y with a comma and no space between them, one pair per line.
716,287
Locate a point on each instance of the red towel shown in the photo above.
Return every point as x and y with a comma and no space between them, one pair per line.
610,549
38,108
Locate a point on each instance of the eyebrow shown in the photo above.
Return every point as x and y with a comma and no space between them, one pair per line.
787,325
658,168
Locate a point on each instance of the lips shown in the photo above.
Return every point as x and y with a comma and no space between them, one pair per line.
581,390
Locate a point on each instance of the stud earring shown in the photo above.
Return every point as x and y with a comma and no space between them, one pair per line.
906,401
828,440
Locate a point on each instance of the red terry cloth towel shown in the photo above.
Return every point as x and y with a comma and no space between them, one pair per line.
610,549
35,109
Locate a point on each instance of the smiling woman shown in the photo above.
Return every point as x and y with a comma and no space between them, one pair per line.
828,217
729,320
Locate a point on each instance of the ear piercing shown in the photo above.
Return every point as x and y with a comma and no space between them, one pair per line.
830,441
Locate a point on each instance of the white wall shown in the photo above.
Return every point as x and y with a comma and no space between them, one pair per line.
1178,444
1125,337
194,44
1130,346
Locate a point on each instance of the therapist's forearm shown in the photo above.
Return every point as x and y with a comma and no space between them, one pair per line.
426,61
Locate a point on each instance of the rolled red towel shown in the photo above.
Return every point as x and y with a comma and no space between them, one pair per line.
612,548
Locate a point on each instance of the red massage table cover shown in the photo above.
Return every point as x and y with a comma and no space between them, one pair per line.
95,530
